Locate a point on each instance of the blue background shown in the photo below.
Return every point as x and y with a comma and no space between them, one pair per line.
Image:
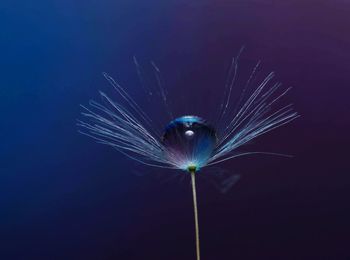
64,197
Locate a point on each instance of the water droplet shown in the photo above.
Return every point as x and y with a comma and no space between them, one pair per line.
189,141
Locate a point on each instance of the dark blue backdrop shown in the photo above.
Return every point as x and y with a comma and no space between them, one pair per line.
64,197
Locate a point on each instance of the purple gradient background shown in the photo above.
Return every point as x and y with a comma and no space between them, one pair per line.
64,197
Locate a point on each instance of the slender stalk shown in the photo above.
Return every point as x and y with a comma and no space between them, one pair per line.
193,180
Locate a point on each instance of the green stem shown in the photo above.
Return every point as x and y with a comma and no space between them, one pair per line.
193,179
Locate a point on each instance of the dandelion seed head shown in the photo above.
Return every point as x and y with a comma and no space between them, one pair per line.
188,142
